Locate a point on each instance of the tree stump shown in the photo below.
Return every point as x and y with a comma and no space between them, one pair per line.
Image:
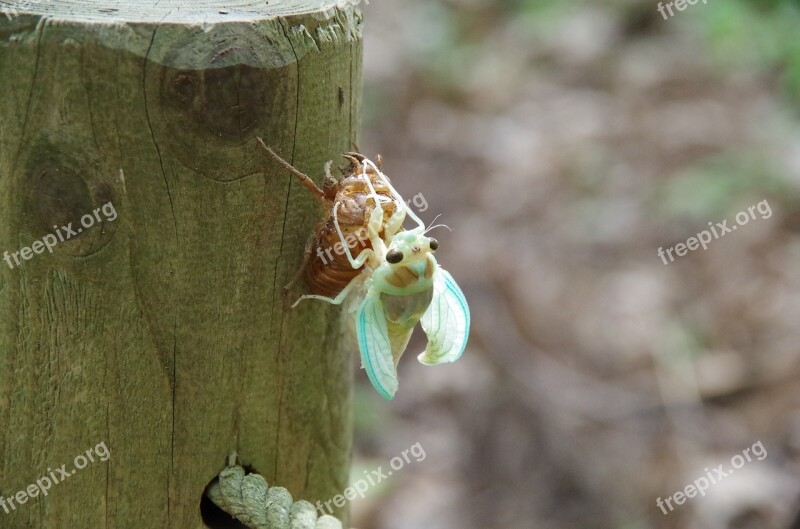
164,332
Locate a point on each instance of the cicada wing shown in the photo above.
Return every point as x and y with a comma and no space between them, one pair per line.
446,322
375,346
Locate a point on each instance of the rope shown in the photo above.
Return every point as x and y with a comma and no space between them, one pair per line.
248,499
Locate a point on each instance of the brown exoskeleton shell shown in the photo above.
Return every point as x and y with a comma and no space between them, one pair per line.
327,268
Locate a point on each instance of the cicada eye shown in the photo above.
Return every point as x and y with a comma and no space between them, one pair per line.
434,244
394,256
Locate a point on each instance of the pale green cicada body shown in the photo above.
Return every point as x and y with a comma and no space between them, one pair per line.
400,285
406,288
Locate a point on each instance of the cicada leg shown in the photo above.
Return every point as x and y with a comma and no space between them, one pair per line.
402,203
373,193
373,228
333,301
394,224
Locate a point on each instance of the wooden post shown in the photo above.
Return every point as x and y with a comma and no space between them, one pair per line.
163,332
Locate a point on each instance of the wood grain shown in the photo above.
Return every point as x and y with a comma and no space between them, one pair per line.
164,333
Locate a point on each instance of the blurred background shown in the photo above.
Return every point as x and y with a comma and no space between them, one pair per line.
565,142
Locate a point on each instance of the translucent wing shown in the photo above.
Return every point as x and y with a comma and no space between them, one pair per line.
446,322
375,346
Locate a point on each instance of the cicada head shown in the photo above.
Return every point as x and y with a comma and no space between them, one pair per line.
409,247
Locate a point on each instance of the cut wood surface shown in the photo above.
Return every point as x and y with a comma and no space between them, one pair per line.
164,333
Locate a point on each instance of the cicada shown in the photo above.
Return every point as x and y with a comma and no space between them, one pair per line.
401,285
326,267
396,284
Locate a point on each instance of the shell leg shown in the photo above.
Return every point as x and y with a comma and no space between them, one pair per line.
304,178
333,301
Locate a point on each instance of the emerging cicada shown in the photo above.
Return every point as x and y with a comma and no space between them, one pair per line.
402,284
396,281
